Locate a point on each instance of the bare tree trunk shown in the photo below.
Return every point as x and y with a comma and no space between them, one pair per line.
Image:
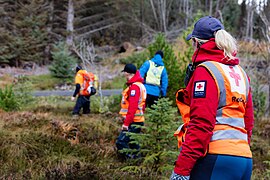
99,88
154,13
186,11
251,6
210,7
70,21
217,9
266,33
49,30
163,15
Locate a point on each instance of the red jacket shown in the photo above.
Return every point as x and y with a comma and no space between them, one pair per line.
133,98
203,110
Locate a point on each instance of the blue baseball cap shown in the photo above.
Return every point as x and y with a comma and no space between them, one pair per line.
205,27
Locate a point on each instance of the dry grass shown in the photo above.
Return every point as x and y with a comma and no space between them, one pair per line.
32,148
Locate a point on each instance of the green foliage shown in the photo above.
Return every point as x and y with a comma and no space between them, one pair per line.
173,65
23,91
260,146
106,104
267,174
116,83
14,97
157,141
44,81
27,36
8,100
259,100
63,62
137,58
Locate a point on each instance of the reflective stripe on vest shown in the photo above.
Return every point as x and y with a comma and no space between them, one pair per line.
153,75
125,104
229,135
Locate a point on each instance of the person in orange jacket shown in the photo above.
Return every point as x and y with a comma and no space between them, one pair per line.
132,110
84,89
217,109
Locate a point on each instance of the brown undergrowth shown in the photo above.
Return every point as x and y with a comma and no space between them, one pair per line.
32,148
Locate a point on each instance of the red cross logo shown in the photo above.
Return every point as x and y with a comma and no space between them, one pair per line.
235,76
199,86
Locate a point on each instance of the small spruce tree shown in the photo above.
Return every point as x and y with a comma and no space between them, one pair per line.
63,62
158,145
174,67
8,100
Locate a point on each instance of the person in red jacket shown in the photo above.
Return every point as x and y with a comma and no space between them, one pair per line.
218,93
132,110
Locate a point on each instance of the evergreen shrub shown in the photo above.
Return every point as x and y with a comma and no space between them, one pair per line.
8,100
174,66
136,58
158,145
63,62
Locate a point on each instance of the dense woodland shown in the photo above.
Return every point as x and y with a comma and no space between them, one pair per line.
36,132
29,28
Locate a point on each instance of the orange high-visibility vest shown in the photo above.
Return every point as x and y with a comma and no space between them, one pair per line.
139,114
85,80
184,111
229,134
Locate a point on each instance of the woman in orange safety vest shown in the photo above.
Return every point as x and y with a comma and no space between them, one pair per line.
217,109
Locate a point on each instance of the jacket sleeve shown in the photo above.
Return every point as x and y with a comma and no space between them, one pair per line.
133,99
144,68
202,122
164,82
249,116
77,90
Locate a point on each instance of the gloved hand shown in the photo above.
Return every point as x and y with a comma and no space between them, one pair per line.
72,98
124,128
175,176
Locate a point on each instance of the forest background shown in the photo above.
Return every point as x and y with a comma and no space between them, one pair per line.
103,35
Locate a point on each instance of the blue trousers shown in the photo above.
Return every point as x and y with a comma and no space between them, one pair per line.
222,167
123,140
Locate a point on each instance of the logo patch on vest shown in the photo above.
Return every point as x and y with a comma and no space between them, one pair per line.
132,93
199,89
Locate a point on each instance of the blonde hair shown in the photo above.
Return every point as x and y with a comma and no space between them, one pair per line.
227,43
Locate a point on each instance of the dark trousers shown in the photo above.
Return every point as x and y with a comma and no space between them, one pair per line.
123,141
151,100
82,102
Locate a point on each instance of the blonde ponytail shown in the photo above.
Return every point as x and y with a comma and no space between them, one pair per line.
227,43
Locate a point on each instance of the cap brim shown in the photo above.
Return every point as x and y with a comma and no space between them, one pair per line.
189,37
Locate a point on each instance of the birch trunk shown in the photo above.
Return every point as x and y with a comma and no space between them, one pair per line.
70,21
